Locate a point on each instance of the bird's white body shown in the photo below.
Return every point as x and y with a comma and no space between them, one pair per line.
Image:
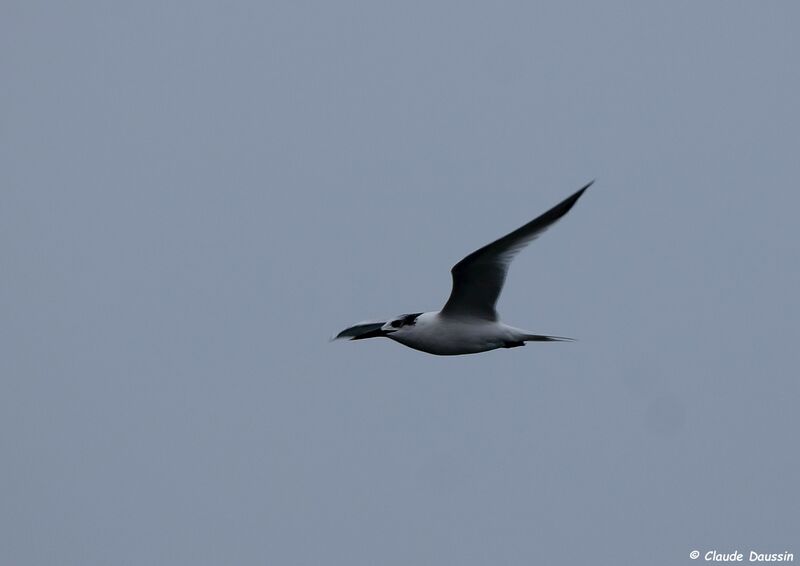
439,334
468,323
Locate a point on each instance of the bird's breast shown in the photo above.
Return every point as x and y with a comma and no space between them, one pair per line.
445,336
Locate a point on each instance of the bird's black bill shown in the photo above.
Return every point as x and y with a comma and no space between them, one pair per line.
371,334
363,330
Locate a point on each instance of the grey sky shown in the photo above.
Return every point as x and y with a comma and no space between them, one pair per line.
196,195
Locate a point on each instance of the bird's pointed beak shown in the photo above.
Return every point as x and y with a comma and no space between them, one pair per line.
377,333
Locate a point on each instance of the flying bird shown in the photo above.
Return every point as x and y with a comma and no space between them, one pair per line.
468,322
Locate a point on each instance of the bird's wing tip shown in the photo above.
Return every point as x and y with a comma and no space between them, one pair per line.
586,186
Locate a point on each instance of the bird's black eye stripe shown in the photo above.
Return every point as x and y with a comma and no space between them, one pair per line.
405,320
411,318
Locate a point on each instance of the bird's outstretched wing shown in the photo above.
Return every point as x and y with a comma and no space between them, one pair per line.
362,330
479,277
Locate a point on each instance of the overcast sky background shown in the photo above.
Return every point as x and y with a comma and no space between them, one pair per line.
195,196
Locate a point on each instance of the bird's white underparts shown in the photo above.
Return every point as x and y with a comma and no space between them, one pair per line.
468,322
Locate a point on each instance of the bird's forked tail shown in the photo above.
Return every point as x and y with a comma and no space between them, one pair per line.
542,338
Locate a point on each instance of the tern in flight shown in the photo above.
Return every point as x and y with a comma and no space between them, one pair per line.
468,322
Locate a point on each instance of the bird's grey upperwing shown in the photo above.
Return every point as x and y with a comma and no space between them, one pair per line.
361,330
479,277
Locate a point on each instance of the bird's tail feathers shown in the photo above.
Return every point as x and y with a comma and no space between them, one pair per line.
542,338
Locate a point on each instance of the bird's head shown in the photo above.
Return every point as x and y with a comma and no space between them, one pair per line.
400,322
